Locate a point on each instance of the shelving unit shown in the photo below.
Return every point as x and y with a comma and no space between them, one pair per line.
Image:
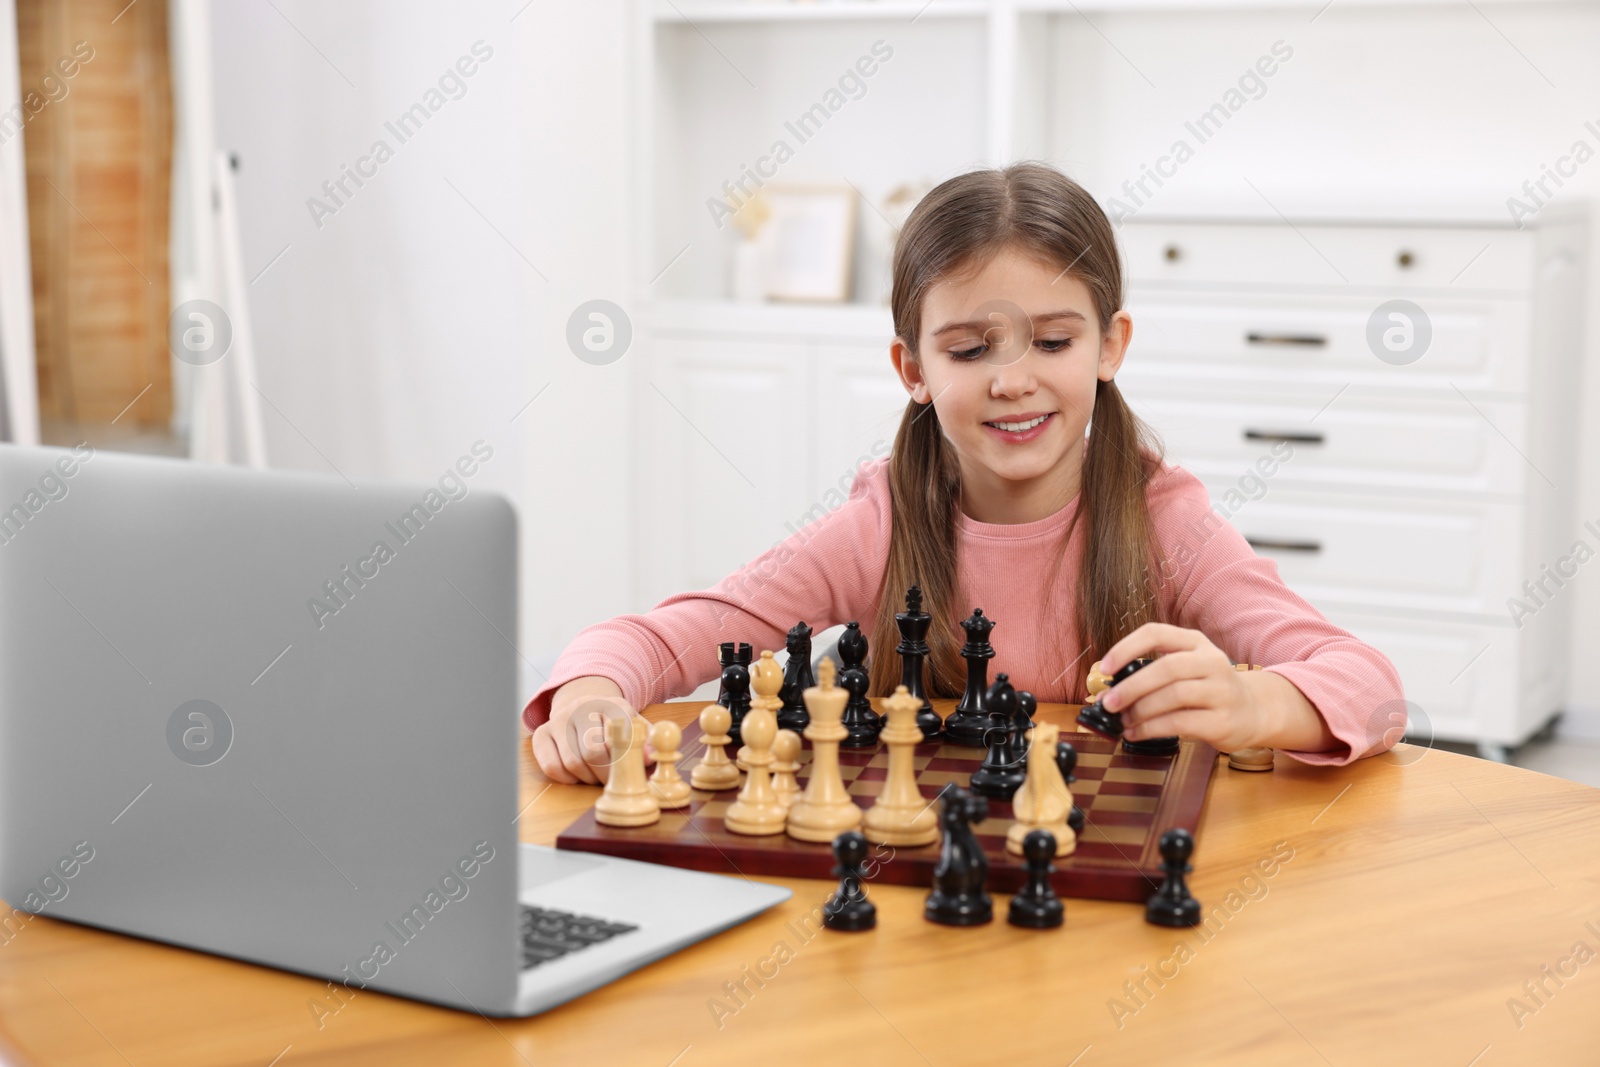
726,395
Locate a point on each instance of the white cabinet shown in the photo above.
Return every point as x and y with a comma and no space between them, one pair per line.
745,435
1421,492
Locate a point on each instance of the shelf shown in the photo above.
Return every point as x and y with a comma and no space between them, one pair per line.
689,11
800,322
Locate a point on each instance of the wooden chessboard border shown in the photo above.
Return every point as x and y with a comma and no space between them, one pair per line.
1131,877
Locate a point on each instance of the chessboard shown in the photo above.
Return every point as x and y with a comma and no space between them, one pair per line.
1128,802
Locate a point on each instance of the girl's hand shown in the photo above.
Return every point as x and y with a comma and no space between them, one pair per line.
1191,691
573,747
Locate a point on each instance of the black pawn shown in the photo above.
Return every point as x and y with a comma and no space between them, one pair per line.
736,680
797,678
1067,761
968,725
1172,904
914,651
1036,906
1027,704
959,897
862,724
1000,774
849,908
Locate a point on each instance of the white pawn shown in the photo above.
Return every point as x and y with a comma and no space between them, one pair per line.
785,762
667,784
715,772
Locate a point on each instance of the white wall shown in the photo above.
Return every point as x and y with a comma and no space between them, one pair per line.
1396,104
408,325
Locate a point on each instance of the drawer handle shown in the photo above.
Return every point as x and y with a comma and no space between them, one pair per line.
1286,546
1304,340
1305,437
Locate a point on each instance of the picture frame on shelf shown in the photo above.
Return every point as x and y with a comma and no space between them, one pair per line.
810,242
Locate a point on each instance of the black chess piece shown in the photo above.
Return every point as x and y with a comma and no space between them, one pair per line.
797,678
959,897
736,680
1026,706
849,908
1067,761
1035,906
862,724
1095,717
1172,904
969,723
1000,774
913,649
729,653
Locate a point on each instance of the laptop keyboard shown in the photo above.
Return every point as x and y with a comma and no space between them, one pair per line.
548,934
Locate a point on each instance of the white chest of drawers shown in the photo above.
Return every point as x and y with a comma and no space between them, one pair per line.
1422,492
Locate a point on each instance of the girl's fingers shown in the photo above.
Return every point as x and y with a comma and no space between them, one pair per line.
1186,694
1190,722
1151,639
548,757
1168,670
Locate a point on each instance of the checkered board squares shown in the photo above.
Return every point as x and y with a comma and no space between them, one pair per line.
1128,801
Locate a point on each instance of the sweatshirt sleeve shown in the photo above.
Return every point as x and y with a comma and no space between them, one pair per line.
1236,598
826,573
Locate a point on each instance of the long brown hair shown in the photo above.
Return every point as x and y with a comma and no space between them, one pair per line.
957,227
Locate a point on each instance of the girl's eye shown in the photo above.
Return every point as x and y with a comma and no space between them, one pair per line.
966,355
1055,345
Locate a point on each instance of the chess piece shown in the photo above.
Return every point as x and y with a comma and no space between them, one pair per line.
757,811
796,679
849,908
999,776
968,724
627,800
668,785
1027,704
914,652
766,678
729,653
736,686
862,725
785,762
1251,759
1066,761
1172,904
901,815
1035,906
1043,802
1096,717
959,897
715,772
825,809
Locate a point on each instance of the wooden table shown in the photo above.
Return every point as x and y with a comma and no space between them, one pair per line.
1413,896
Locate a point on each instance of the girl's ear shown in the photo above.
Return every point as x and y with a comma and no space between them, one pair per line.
1114,345
909,370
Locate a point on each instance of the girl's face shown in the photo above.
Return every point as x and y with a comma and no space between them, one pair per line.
1009,356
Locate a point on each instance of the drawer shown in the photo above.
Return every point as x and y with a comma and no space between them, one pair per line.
1375,442
1477,346
1395,258
1462,677
1424,555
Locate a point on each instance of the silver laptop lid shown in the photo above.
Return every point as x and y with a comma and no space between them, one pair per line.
264,714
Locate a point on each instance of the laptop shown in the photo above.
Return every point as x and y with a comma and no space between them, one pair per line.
274,716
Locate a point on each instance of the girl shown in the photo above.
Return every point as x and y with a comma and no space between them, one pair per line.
1019,482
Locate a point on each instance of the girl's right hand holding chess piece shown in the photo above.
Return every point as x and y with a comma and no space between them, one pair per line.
572,747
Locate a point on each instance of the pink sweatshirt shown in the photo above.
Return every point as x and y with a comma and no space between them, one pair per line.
830,572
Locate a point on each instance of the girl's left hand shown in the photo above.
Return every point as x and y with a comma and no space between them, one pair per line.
1191,691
